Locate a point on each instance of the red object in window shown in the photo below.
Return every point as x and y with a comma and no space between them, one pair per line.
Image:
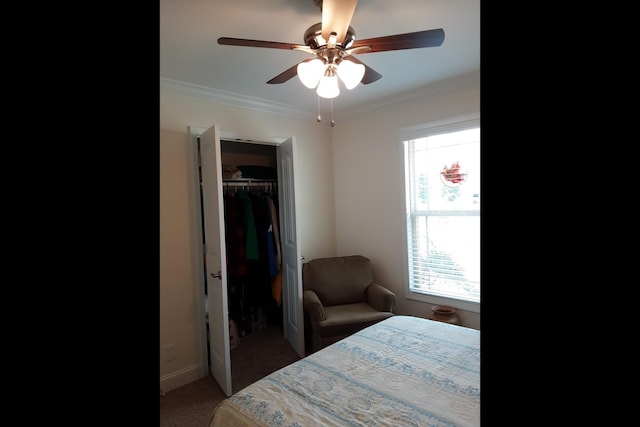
452,174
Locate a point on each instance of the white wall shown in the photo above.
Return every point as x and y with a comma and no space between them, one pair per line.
369,178
349,199
179,311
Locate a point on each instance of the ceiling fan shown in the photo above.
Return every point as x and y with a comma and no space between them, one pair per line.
332,42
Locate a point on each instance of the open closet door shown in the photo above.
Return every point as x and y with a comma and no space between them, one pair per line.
215,258
292,315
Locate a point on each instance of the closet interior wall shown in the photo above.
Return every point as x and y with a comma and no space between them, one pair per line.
252,292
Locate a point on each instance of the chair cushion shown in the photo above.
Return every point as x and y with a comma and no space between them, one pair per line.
338,280
349,318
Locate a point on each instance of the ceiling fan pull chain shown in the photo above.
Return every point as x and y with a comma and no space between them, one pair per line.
319,116
332,122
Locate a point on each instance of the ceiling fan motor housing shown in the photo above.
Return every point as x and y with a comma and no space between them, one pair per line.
313,37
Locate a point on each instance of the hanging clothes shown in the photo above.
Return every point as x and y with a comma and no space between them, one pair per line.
253,257
236,261
251,252
235,236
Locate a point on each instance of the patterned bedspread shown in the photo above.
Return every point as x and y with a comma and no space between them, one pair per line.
403,371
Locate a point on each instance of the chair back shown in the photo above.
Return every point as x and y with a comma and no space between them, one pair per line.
338,280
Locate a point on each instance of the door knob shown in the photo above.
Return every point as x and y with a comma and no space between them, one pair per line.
217,276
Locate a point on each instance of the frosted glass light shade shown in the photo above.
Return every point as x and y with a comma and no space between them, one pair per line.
310,72
350,73
328,87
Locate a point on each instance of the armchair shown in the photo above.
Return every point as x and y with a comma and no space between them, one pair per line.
340,297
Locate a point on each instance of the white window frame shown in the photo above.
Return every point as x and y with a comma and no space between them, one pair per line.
453,124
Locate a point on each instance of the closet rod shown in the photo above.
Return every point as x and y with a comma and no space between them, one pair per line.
248,181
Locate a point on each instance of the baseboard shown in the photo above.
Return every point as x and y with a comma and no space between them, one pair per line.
182,377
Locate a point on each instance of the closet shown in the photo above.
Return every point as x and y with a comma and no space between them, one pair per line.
253,306
252,238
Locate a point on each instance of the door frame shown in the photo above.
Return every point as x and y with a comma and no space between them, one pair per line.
201,301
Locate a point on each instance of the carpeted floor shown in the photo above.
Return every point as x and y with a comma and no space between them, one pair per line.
256,356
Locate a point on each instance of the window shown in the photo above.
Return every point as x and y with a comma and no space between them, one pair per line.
442,190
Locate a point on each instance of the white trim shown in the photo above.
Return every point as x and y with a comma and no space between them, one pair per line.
230,98
419,131
439,126
179,378
233,136
432,299
238,137
452,85
434,90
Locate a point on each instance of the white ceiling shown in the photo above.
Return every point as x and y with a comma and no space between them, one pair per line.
190,54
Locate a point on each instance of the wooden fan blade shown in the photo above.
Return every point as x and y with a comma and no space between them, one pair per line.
336,17
259,43
287,74
427,38
370,75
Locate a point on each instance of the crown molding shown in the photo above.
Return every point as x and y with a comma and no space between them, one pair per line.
434,90
455,84
229,98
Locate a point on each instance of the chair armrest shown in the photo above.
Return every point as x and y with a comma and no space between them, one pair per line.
380,298
313,306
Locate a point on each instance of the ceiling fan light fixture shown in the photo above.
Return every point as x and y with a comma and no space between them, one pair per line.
350,73
310,72
328,87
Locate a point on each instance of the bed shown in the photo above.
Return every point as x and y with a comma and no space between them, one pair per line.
402,371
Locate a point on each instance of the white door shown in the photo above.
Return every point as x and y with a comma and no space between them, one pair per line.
293,319
216,269
210,164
